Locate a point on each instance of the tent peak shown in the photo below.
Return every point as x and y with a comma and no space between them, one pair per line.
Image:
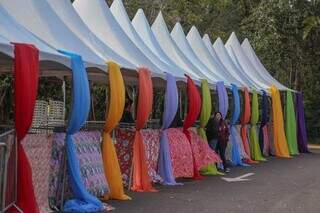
177,28
206,36
140,10
218,41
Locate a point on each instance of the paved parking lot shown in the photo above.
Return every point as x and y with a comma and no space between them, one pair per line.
277,186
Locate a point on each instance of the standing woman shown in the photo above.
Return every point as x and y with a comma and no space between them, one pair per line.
218,136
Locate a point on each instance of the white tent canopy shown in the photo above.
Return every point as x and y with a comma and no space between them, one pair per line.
5,46
163,37
38,17
66,12
119,12
247,48
218,50
202,52
142,27
11,31
179,38
107,29
237,54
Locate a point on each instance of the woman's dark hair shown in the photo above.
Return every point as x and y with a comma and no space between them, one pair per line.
215,114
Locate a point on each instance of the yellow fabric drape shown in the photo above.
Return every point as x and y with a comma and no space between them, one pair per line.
279,137
109,155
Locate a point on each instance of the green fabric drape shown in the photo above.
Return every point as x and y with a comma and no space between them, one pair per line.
291,126
206,109
255,150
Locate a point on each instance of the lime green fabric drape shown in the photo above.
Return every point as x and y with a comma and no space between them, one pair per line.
291,126
279,137
255,150
206,109
109,155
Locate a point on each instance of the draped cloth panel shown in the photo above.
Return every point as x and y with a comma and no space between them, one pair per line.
279,137
255,150
205,114
206,108
223,99
245,119
263,130
291,126
301,125
236,154
109,155
194,107
26,73
165,169
84,201
141,179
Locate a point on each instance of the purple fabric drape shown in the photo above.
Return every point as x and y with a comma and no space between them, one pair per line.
264,120
301,125
223,99
170,109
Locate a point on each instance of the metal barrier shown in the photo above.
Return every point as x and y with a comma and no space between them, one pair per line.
8,171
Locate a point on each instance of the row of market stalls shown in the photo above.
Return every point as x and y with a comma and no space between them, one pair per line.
89,41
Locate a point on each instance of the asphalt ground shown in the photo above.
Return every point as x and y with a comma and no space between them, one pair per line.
277,186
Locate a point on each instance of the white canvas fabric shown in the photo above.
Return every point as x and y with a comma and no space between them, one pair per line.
237,54
218,50
6,47
179,38
11,31
161,32
106,28
38,17
67,14
250,53
119,12
202,52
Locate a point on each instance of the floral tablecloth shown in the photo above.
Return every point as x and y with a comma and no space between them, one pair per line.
151,140
88,145
124,148
203,154
181,154
38,150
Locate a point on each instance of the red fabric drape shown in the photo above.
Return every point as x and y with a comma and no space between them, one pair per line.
26,73
141,179
194,107
245,119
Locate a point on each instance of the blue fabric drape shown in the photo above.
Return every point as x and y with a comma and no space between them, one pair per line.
170,109
236,154
84,201
223,99
264,119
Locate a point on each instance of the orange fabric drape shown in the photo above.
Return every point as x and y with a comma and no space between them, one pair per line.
110,159
245,119
141,179
279,137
